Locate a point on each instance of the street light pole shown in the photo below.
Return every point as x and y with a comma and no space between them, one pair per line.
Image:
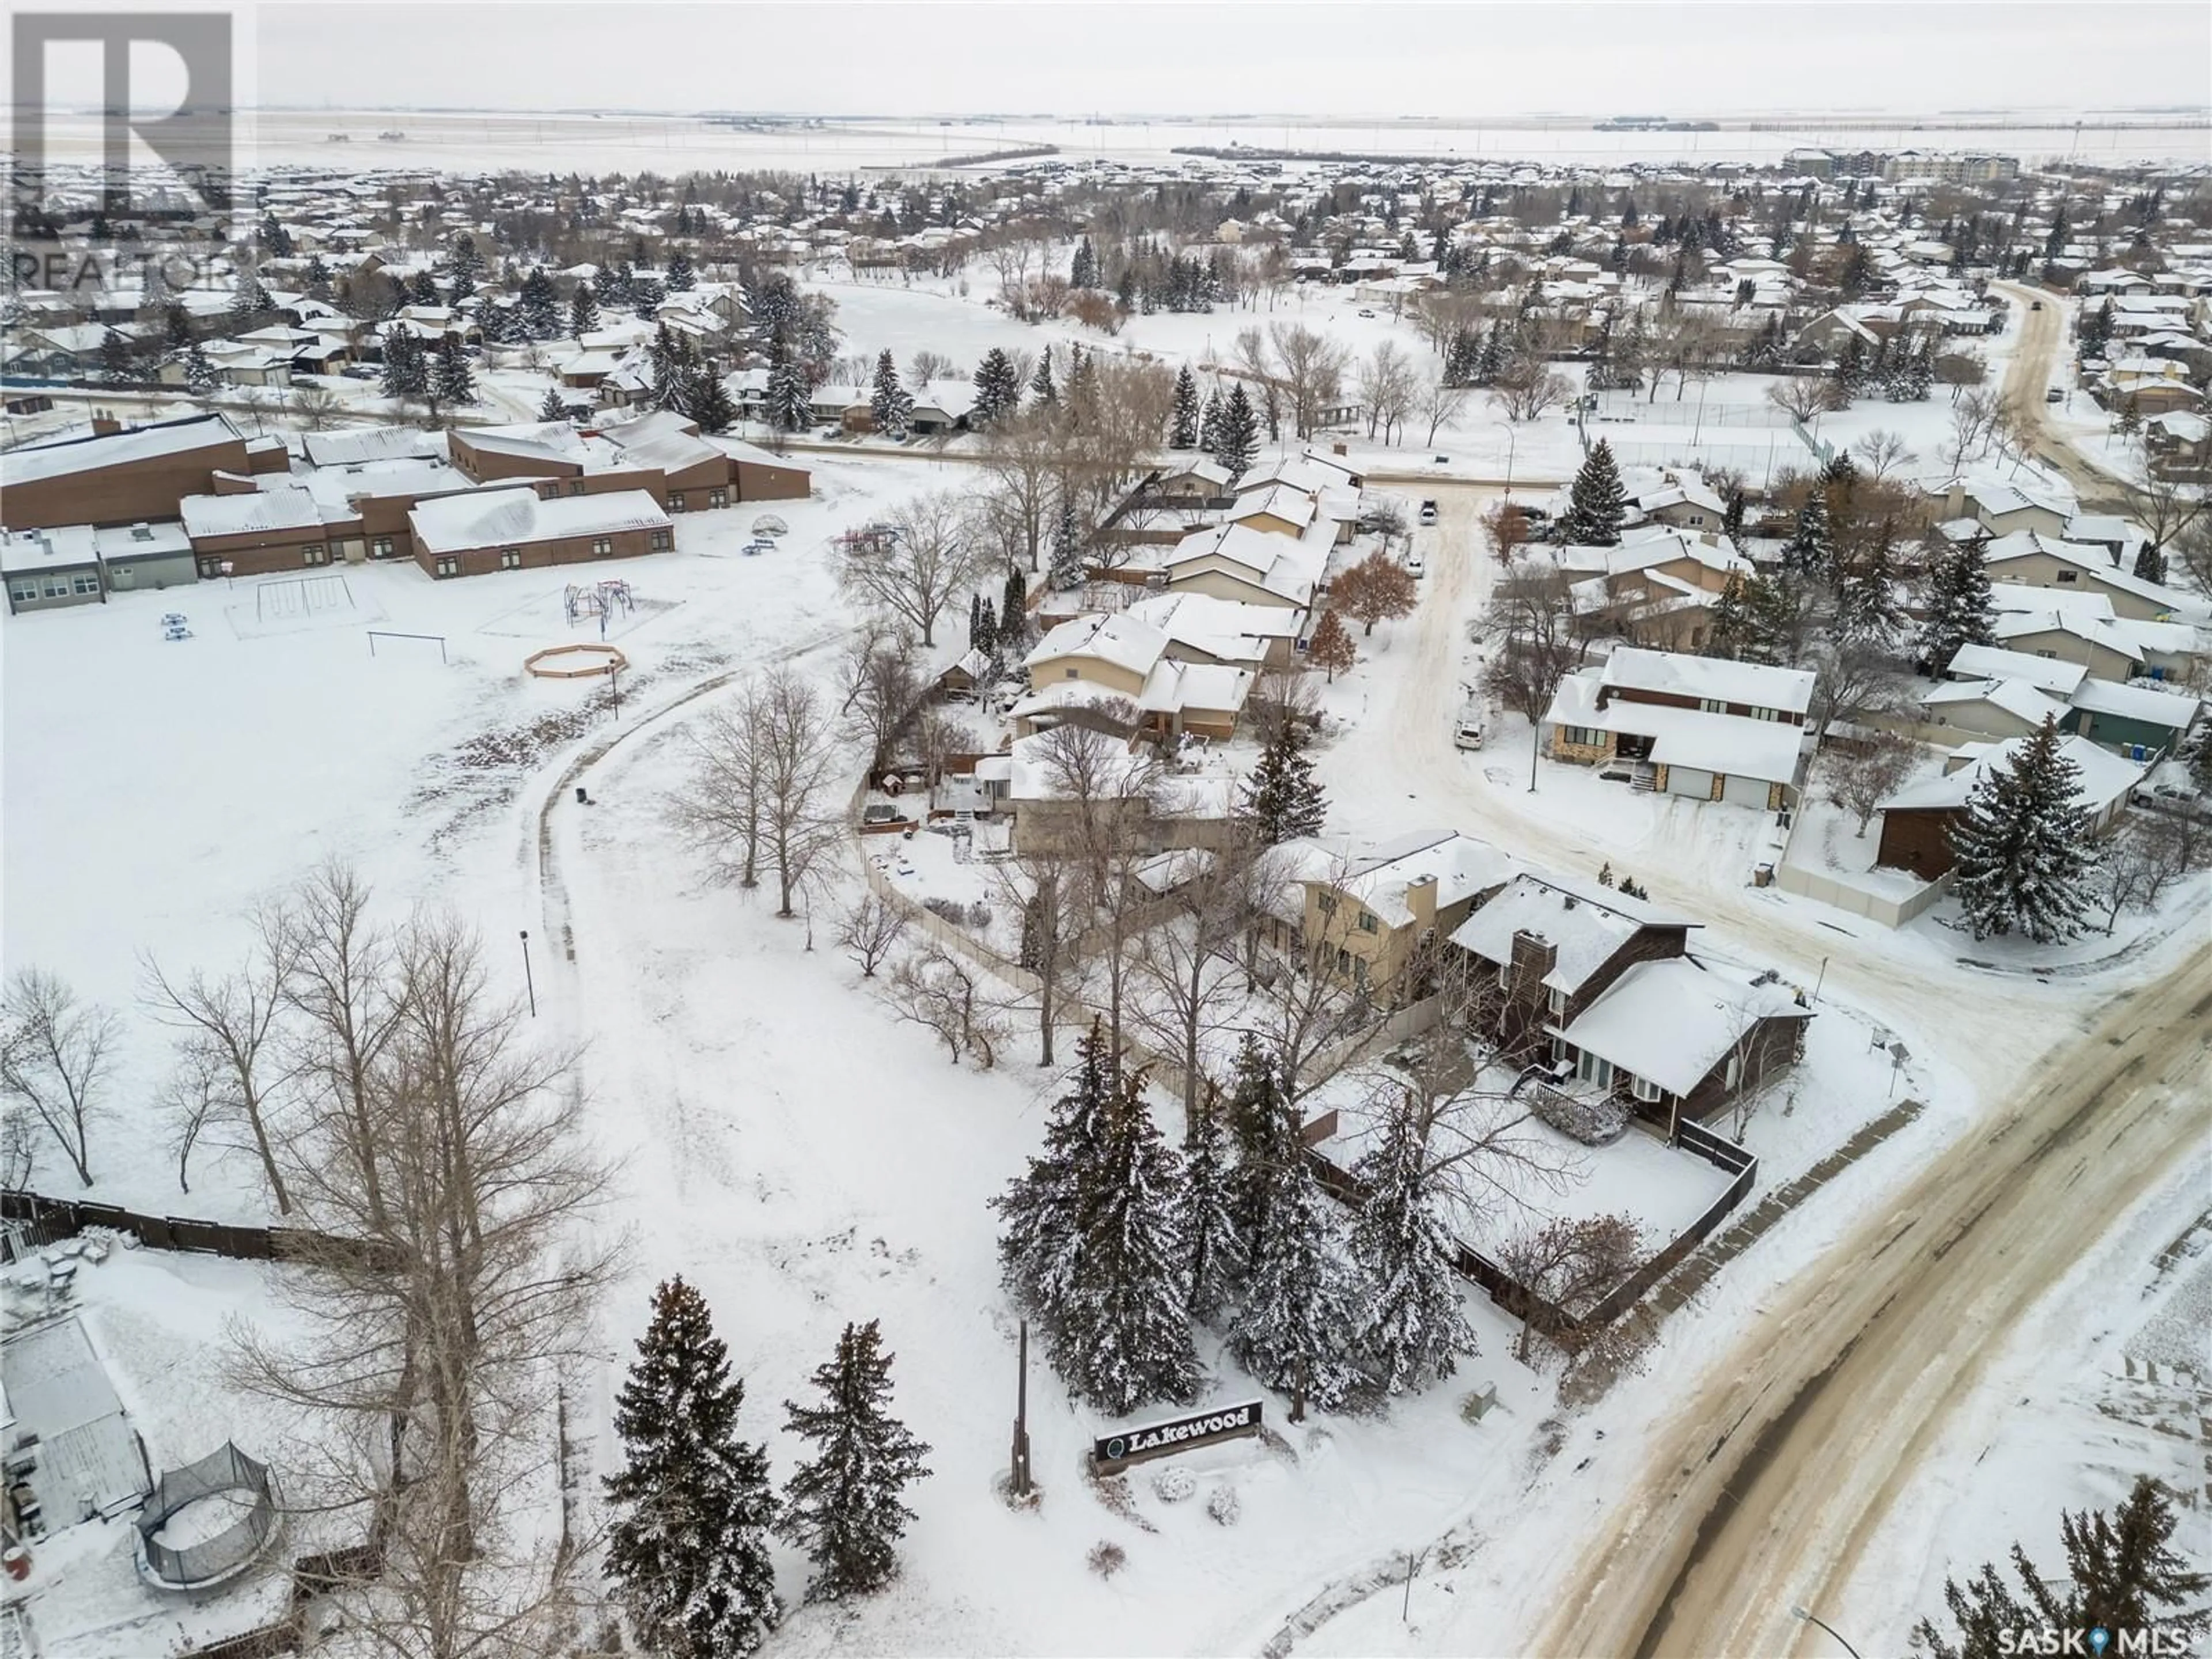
529,983
1800,1614
1511,442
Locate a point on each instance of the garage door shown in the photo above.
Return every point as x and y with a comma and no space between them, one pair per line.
1689,781
1745,792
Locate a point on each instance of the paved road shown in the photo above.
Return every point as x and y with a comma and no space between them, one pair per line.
1766,1482
2042,335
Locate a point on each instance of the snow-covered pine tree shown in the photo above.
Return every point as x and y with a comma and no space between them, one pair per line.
1209,423
200,378
456,382
1462,356
1732,519
1182,425
1041,1234
682,276
1208,1231
1810,550
1236,433
1083,268
406,368
555,408
976,621
2021,853
2150,563
705,401
1595,505
1731,620
888,402
1416,1330
688,1548
787,400
1067,573
583,310
1013,610
1281,800
985,635
540,305
842,1506
1302,1308
1040,383
1258,1119
1962,608
998,389
1867,604
1124,1339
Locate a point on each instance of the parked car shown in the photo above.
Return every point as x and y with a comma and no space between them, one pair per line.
1536,514
1366,313
1415,564
1428,512
2055,395
1467,729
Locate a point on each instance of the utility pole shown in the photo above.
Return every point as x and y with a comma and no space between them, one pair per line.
1019,1477
529,983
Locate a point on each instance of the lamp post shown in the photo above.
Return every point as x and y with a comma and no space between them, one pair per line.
1799,1613
1511,442
529,983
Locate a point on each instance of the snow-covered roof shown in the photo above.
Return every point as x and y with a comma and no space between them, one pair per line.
1671,1022
495,518
1118,639
1293,507
1735,744
1380,877
68,546
377,443
662,439
1173,686
1228,630
2175,709
1991,662
2018,698
1754,685
290,506
1585,923
2103,777
37,463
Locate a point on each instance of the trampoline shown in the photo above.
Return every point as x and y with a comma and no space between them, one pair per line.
225,1504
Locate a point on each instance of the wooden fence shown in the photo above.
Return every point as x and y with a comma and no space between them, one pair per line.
33,1220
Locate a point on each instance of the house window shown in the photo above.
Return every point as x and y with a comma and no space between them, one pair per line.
602,547
662,541
23,592
1368,923
575,486
1557,1000
1711,706
314,553
718,498
1766,713
86,584
1324,903
2068,578
449,565
57,587
381,547
1644,1090
1582,737
1590,1068
510,558
1734,1070
676,500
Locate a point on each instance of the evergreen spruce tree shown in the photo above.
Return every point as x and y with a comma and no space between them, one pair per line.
1810,550
1067,550
1264,1140
998,389
540,305
425,292
406,365
976,621
200,377
2020,850
1416,1331
1124,1339
1209,423
455,381
555,408
1040,1212
1083,269
583,310
1462,356
1595,506
1732,519
1236,433
842,1506
985,635
788,402
1182,426
1303,1304
688,1549
889,402
1731,623
1040,383
1961,606
1208,1230
682,278
1281,800
1867,605
1013,609
177,326
2150,563
706,400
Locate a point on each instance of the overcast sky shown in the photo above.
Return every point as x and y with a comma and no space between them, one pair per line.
1463,61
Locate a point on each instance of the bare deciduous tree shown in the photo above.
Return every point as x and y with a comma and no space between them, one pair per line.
929,365
1527,386
1802,396
1570,1264
755,795
1387,386
2152,852
1860,777
869,931
1530,629
932,561
934,989
1884,452
232,1019
54,1058
884,693
1186,960
1310,367
1438,402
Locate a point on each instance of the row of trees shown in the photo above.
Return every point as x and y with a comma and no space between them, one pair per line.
688,1549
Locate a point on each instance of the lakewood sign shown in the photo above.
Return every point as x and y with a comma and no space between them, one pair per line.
1114,1451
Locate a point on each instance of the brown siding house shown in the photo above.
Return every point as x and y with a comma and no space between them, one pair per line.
119,477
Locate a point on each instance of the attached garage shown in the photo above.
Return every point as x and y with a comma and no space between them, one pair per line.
1690,782
1745,791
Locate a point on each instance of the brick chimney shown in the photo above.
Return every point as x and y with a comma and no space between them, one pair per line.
1521,1021
104,425
1421,900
